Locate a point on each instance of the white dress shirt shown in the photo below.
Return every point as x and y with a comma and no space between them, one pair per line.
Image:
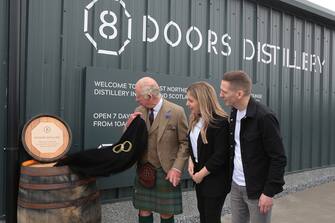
157,108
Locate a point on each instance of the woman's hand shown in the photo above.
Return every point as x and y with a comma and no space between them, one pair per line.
199,176
190,167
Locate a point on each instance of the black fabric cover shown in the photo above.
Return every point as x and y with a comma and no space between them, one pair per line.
105,161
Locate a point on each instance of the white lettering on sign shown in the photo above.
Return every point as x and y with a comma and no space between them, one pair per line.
106,120
177,96
110,84
104,25
122,89
212,39
188,41
108,24
226,44
173,35
166,37
102,124
106,92
268,54
154,38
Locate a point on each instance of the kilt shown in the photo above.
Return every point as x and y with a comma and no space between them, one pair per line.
163,198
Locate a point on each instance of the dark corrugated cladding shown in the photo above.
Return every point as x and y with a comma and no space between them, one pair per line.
298,81
3,101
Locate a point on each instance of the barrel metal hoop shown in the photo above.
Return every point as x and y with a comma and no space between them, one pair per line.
45,172
77,202
56,186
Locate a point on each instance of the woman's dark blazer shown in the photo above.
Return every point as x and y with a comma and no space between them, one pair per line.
215,156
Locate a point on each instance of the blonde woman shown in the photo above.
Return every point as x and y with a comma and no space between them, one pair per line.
209,148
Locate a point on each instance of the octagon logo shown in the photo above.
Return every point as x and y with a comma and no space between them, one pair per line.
107,28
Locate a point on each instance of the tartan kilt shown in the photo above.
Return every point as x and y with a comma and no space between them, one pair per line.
163,198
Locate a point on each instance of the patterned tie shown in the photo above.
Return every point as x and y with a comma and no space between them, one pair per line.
151,116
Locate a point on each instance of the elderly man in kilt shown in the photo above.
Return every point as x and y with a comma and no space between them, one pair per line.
160,168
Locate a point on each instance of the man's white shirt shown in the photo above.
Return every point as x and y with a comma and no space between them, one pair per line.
238,174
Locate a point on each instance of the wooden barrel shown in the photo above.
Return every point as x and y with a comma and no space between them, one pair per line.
56,194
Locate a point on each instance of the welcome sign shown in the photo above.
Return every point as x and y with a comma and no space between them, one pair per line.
110,99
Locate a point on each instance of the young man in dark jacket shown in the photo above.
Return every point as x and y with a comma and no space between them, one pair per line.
258,155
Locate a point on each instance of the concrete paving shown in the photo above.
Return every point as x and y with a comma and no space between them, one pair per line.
305,193
313,205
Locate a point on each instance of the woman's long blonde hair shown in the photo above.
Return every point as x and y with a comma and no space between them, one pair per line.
209,105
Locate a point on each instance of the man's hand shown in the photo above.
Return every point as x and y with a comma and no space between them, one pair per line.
132,117
265,203
173,176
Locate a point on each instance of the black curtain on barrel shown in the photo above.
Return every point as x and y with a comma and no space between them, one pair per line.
112,159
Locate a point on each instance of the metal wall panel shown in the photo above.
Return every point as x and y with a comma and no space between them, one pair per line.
3,98
331,96
57,53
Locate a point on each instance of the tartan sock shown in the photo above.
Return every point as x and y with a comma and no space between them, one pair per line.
168,220
145,219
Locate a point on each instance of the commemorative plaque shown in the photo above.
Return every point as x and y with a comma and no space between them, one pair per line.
46,138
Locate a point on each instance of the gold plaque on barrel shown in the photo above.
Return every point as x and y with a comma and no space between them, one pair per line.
46,138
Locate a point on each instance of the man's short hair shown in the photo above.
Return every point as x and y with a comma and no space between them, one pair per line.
239,80
148,86
150,90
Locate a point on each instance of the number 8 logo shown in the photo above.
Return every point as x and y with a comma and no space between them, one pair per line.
108,24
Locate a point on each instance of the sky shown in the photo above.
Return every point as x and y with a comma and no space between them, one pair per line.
329,4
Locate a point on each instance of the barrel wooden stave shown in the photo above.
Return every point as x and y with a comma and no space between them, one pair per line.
49,180
75,214
55,194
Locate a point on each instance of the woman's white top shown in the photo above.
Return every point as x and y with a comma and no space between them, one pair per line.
194,135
